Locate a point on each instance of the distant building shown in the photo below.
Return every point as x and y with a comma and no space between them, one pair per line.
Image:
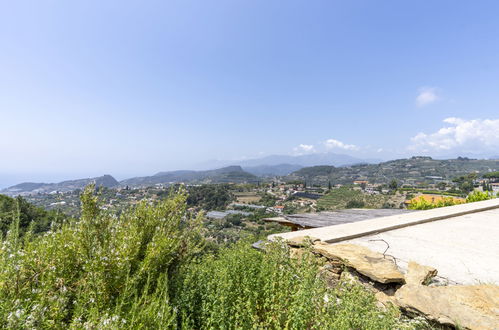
359,182
276,209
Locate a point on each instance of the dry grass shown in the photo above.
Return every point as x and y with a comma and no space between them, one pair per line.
247,197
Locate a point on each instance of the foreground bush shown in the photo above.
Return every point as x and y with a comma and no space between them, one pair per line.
422,204
99,271
244,288
147,269
477,196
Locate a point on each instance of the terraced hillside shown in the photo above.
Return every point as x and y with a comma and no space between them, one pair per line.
349,198
413,170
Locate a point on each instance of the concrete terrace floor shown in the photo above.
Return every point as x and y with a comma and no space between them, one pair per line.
461,242
464,249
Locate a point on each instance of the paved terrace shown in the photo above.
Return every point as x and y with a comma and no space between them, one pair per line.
461,242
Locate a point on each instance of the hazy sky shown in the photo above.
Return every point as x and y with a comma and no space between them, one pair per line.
135,87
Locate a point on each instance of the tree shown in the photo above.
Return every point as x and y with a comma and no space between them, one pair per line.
492,175
465,183
28,214
442,185
393,184
210,196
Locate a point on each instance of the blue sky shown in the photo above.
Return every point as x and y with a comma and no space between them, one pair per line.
135,87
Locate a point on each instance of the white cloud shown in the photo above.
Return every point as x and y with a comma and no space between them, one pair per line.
461,136
335,144
304,149
427,95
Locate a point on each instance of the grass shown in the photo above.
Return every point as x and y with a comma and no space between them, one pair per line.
247,197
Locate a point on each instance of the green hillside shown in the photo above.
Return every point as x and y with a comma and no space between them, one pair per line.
347,198
413,170
229,174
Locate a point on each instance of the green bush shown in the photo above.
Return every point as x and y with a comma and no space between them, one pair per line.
102,271
422,204
477,196
246,289
29,215
149,268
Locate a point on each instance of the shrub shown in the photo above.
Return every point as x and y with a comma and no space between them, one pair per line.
477,196
149,269
422,204
100,271
247,289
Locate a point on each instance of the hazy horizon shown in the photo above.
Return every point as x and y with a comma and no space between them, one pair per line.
121,88
7,180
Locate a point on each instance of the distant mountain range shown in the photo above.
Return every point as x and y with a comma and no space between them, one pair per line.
412,170
246,171
234,174
326,158
29,188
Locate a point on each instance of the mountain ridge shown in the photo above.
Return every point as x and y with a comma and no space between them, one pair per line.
233,173
325,158
29,188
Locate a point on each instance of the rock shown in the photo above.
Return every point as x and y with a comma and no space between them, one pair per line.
329,274
334,267
466,306
348,277
418,274
384,299
301,241
368,263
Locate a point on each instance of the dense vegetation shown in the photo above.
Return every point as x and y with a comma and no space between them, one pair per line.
234,174
492,175
210,196
27,214
149,268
